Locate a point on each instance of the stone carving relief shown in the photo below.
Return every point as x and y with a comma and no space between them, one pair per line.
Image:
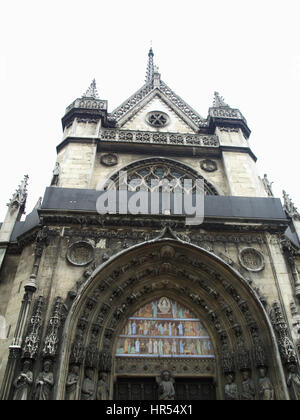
248,387
72,384
109,159
80,253
231,389
102,388
52,337
23,382
251,259
44,382
88,389
166,390
285,343
293,381
32,340
208,165
265,387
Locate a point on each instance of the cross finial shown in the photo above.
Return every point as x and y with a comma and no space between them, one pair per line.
150,66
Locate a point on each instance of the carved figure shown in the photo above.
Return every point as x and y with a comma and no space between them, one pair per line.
44,383
72,383
56,172
166,389
88,386
248,387
102,388
293,381
231,390
268,186
23,382
265,387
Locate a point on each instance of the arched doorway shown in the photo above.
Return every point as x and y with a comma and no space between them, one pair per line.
237,325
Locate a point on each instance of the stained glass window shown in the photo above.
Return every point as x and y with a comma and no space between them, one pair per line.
164,328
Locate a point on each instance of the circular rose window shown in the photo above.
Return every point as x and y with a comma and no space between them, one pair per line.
157,119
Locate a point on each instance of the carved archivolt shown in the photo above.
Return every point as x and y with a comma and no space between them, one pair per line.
234,317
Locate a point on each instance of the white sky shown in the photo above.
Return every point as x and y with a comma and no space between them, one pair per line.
248,50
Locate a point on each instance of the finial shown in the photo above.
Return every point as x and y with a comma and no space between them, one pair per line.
289,206
150,66
92,91
218,101
19,197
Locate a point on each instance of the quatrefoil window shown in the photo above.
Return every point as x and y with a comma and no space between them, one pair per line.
157,119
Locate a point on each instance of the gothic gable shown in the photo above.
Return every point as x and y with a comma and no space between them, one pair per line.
133,113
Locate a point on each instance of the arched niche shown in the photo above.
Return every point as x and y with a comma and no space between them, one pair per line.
240,331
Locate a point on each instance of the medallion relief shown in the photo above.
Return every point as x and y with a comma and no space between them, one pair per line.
80,253
109,159
251,259
208,165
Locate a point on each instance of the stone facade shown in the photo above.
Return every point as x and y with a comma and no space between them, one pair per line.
71,278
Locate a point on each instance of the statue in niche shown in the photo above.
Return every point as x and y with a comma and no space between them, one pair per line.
72,383
102,388
231,390
44,382
166,389
23,382
88,386
56,172
293,381
248,387
265,387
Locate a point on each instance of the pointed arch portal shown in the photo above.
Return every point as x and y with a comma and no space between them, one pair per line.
175,282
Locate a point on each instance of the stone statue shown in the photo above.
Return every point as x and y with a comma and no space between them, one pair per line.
293,381
102,388
166,389
231,390
265,387
44,383
72,383
56,172
23,382
268,186
248,387
88,386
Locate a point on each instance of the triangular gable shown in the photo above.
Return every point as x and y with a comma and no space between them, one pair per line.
190,119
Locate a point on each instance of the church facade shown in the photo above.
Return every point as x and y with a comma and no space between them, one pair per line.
111,289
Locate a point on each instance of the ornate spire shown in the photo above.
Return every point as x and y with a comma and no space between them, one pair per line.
150,66
19,197
92,91
218,101
290,207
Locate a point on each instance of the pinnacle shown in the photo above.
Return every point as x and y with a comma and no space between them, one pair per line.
92,91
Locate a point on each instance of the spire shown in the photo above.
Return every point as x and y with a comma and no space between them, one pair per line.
19,197
150,66
92,91
218,101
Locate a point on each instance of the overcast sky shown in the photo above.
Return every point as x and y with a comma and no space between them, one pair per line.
50,51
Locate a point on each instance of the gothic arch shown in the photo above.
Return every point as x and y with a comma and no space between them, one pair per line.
209,187
243,338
